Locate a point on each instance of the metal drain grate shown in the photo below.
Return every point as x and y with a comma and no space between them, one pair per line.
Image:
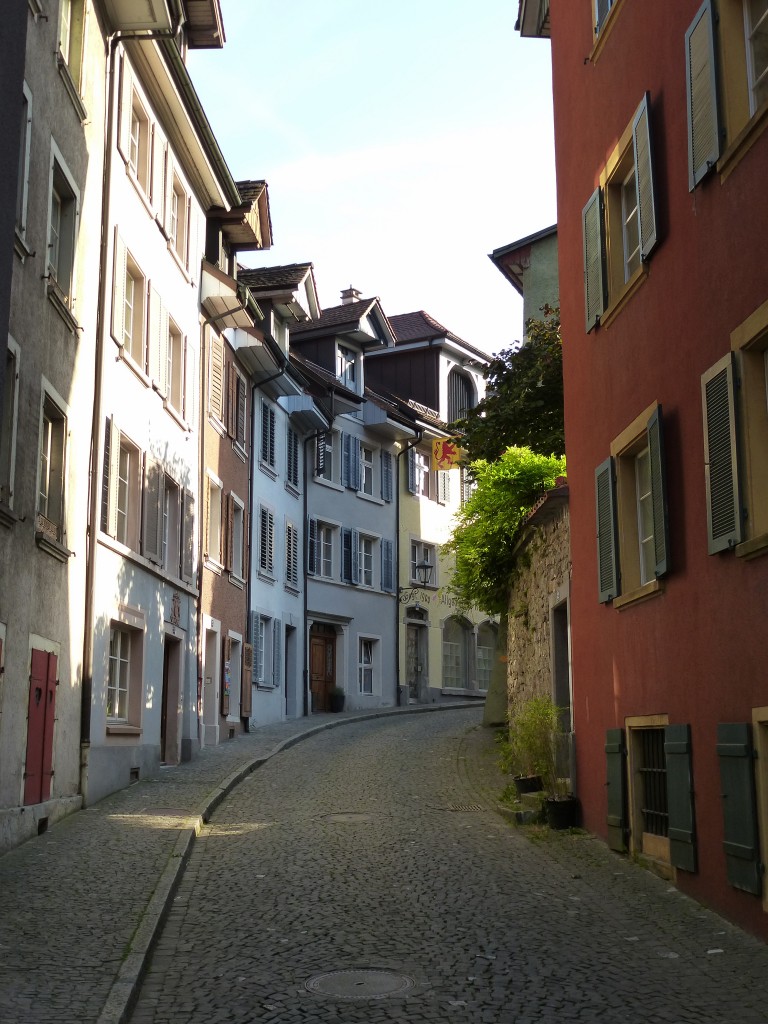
465,807
350,817
359,984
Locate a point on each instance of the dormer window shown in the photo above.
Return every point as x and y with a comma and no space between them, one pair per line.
346,367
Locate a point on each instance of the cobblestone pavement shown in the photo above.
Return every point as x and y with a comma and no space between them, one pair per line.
81,904
370,861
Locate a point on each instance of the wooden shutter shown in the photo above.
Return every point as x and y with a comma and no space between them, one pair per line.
226,673
120,267
386,476
158,342
346,555
188,537
277,653
231,400
106,475
594,258
158,173
646,200
313,554
187,232
443,486
153,504
216,391
355,541
229,533
267,541
701,95
387,566
659,492
242,408
412,470
346,459
126,109
721,469
607,546
168,193
682,826
616,788
740,831
320,444
190,383
114,477
246,688
256,646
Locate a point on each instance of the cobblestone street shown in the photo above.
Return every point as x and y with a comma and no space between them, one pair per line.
365,875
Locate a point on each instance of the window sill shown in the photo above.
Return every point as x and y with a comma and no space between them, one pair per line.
123,729
69,85
743,142
140,190
293,589
629,289
328,483
239,451
60,303
52,547
21,248
237,581
753,548
132,365
267,470
651,589
265,577
179,262
370,497
7,516
292,489
175,415
215,423
604,32
213,565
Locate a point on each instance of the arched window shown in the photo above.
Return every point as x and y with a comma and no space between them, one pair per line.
486,645
457,639
461,395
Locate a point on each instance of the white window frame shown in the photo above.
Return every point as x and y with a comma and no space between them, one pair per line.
62,270
214,520
326,544
369,665
366,555
644,498
176,373
171,531
22,195
118,690
130,623
367,461
10,422
50,395
128,494
238,538
422,551
756,79
347,366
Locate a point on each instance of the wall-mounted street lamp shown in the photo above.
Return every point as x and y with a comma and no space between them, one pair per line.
424,577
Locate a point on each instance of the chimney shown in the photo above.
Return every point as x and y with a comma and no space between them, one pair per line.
349,295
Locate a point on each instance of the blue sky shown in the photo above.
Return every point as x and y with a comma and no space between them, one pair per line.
401,141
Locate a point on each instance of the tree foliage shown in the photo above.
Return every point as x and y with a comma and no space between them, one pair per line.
524,400
483,538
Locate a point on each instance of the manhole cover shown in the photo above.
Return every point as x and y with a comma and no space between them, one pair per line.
350,817
359,984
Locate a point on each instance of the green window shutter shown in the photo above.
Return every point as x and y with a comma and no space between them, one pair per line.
607,546
153,505
616,789
724,520
740,836
682,824
646,202
659,491
701,95
594,258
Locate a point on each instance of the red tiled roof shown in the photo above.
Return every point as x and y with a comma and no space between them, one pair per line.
420,326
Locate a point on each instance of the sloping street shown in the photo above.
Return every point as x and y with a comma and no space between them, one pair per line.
365,875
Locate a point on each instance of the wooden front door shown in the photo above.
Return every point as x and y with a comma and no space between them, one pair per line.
38,766
322,669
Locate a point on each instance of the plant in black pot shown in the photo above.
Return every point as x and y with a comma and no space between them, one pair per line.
561,807
336,699
525,750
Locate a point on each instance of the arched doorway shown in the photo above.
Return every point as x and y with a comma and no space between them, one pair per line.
416,654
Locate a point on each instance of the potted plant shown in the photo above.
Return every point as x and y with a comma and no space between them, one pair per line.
526,749
336,699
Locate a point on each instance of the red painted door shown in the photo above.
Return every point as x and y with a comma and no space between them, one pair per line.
38,769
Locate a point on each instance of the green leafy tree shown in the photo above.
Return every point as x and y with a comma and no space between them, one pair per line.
483,538
524,400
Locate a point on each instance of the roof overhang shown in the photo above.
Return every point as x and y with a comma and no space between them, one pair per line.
225,303
248,226
378,421
138,15
304,413
533,19
205,28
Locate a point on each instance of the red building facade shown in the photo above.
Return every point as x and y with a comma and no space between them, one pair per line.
662,160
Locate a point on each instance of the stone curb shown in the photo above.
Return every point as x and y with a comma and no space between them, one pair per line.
125,988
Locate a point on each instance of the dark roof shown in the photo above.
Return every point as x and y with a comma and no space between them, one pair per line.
289,276
336,316
320,375
420,326
250,190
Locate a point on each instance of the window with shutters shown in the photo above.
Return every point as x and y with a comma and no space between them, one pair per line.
178,220
267,446
347,367
366,470
420,477
121,497
457,646
631,513
648,801
292,458
9,424
321,545
216,378
327,456
291,555
237,407
175,374
51,471
214,531
735,410
387,476
71,36
365,554
266,542
236,538
619,223
726,52
171,527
